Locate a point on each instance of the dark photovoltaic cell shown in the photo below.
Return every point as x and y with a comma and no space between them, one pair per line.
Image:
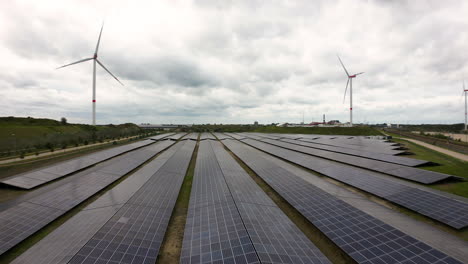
363,237
64,242
135,233
161,136
223,225
408,173
38,177
205,136
441,208
365,154
48,206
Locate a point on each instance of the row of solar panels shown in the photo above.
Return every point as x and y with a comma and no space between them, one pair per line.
355,152
125,225
231,220
28,216
361,236
47,174
396,170
129,228
447,210
373,146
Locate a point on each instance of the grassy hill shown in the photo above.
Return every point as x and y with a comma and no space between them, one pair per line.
32,134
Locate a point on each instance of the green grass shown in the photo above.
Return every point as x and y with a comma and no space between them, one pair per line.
352,131
172,244
448,165
18,133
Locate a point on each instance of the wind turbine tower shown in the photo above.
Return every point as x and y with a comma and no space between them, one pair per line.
466,110
350,82
95,60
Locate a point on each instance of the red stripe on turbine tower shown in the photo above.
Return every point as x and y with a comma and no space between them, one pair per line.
94,101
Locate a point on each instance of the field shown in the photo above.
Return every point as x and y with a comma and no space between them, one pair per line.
185,199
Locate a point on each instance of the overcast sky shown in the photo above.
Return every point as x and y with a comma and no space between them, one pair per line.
220,61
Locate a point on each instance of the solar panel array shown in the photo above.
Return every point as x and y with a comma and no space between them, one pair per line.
20,221
41,176
64,242
135,233
385,150
161,136
205,136
441,208
223,225
363,237
222,136
191,136
365,154
175,137
408,173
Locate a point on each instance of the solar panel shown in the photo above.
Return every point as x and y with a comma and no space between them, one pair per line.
222,136
64,242
365,154
363,237
50,205
274,236
223,224
390,151
445,208
161,136
135,233
38,177
205,136
408,173
191,136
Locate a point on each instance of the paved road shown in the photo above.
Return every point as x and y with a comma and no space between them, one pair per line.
439,149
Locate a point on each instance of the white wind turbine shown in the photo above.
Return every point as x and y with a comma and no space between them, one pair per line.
466,110
94,58
350,82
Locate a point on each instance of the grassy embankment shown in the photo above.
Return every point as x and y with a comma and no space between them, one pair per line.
20,136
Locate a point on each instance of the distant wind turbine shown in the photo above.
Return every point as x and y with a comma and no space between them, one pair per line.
466,110
350,82
94,58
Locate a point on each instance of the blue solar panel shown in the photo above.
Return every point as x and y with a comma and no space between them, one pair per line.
50,205
224,223
409,173
135,233
363,237
384,188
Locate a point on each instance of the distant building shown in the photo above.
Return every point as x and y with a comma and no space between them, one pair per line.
256,123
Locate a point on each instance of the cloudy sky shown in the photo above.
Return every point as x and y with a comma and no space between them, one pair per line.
221,61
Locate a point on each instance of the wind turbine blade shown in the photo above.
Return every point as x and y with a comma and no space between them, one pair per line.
344,97
108,71
99,39
344,68
358,73
83,60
